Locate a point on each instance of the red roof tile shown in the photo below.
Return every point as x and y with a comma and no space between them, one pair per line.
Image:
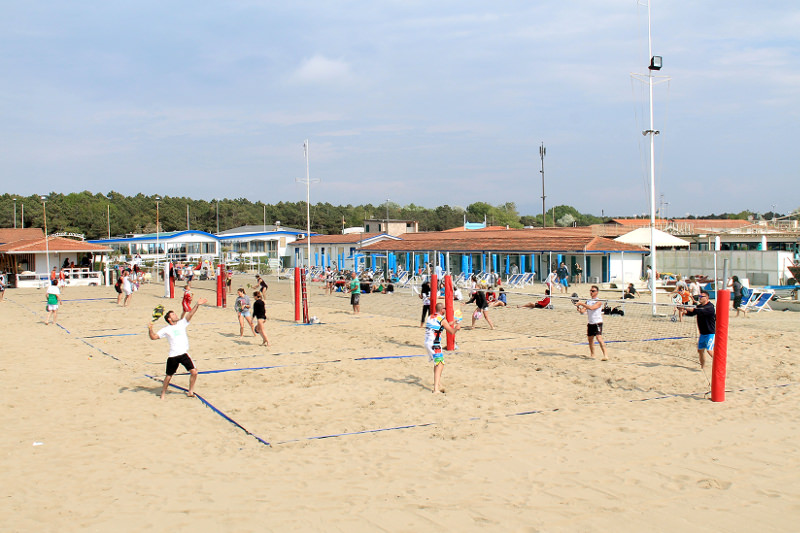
521,241
54,244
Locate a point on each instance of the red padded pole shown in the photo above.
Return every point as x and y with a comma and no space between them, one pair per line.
718,369
448,309
297,303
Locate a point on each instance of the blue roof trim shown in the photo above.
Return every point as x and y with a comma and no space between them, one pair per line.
248,235
152,237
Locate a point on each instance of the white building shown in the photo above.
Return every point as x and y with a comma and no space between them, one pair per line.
256,243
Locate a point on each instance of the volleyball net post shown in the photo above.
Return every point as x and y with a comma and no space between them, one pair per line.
297,296
719,366
221,285
434,293
448,310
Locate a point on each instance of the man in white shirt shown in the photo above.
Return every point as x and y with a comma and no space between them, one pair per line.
593,309
178,346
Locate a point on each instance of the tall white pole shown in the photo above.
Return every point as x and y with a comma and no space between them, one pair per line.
652,134
46,241
108,218
308,204
15,213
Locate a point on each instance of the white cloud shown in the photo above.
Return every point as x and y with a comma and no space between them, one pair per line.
320,69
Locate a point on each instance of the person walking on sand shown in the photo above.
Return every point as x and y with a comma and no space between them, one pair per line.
481,308
127,288
242,307
262,286
593,309
355,294
706,325
260,314
434,326
53,301
425,296
178,346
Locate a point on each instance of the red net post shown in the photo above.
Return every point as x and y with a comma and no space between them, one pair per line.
220,284
434,293
297,297
448,310
719,367
171,280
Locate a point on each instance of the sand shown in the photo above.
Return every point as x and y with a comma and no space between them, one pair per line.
531,435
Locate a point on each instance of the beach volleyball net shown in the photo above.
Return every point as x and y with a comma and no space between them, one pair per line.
633,325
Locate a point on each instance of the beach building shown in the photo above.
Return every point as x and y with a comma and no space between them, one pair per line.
391,226
490,249
189,246
758,251
259,243
27,257
342,252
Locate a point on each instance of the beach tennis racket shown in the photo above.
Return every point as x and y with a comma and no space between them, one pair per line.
574,298
676,298
158,312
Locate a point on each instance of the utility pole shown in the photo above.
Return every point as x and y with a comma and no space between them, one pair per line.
542,152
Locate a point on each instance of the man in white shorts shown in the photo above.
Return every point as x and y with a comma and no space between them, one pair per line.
127,287
178,346
53,301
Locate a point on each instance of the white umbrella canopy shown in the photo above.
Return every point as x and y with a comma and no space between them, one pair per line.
641,237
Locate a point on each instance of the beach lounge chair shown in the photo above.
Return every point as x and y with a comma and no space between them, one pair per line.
759,300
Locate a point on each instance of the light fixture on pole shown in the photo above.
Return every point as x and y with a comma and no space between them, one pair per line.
542,152
46,239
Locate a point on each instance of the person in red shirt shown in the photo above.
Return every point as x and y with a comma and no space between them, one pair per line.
541,304
187,299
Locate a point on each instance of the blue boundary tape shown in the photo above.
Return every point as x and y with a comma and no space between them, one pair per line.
640,340
220,413
112,335
224,370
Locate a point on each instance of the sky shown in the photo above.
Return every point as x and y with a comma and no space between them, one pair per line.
430,103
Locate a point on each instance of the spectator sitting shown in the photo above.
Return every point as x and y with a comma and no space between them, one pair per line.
541,304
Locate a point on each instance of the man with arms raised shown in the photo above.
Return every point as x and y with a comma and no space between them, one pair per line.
178,346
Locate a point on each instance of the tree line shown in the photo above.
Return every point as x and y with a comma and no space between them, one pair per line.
95,215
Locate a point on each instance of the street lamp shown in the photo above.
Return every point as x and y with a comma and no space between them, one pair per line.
46,241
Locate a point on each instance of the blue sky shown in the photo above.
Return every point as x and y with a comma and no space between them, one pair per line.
426,102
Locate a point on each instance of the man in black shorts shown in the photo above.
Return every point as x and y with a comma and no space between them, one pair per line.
178,346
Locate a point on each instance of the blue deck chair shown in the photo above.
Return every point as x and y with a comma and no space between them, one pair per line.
759,300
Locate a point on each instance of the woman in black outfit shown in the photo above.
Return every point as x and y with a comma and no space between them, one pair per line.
425,295
260,314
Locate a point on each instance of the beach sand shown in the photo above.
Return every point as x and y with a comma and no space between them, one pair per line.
531,435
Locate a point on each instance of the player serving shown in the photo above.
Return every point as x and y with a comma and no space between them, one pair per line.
178,345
